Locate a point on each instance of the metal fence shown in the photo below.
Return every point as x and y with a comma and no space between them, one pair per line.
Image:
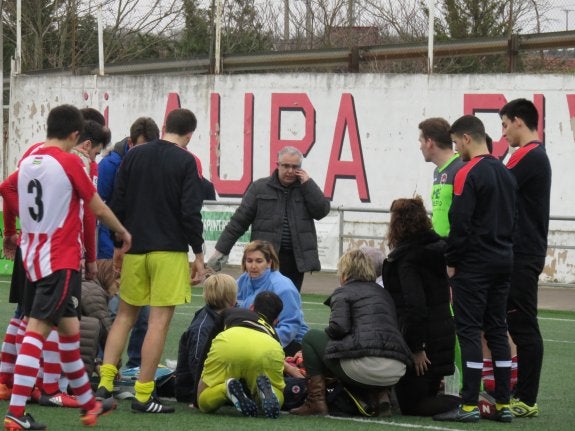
368,226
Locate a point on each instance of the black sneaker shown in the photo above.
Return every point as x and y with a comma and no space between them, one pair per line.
269,402
504,414
25,422
152,406
458,415
103,394
243,403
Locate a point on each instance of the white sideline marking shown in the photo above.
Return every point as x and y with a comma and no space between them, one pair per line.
559,341
395,424
556,319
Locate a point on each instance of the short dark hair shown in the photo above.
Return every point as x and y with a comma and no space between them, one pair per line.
268,305
146,127
521,108
96,133
470,125
62,121
437,129
94,115
181,122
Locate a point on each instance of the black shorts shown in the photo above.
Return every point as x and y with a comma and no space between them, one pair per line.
57,295
19,280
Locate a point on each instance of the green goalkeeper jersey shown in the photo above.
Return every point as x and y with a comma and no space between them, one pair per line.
442,194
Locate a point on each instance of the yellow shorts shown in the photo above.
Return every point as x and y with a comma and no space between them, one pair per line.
244,353
158,278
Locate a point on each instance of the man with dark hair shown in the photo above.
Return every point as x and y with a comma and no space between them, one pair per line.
280,209
268,305
94,115
91,142
158,195
51,184
479,259
532,170
180,121
436,146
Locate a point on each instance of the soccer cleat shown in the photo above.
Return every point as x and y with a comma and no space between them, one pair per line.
152,406
269,402
26,422
90,417
502,415
236,394
103,394
59,399
458,415
5,392
522,410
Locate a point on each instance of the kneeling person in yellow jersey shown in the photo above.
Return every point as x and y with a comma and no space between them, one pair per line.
246,361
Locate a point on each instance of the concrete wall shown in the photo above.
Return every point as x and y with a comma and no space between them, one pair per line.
359,132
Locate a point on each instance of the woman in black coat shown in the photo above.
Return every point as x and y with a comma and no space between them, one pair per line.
361,346
414,273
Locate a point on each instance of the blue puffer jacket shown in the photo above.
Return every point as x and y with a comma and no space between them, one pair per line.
291,325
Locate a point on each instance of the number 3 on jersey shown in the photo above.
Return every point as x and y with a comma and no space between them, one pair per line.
35,188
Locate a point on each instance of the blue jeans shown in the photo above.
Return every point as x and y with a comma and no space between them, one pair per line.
137,335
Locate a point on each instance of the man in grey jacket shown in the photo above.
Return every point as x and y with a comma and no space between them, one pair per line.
281,209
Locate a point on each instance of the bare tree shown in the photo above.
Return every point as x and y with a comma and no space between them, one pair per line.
403,21
130,21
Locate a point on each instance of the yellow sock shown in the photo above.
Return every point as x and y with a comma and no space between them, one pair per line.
108,373
144,390
467,408
500,406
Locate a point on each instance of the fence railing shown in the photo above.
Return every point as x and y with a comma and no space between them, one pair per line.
341,59
347,225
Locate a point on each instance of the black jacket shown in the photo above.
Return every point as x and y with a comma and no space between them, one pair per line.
415,276
482,218
531,168
158,197
363,323
263,208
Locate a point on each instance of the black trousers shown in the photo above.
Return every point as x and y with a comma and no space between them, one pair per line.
523,325
288,267
480,303
418,395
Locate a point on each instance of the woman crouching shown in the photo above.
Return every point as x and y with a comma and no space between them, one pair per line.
362,346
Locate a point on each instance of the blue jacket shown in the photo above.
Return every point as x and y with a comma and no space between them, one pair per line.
291,325
107,169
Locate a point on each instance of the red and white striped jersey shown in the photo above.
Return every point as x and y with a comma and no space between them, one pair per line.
51,183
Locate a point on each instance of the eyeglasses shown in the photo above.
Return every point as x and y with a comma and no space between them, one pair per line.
288,166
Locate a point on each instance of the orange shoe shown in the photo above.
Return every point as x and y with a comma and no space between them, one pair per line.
89,418
59,399
5,392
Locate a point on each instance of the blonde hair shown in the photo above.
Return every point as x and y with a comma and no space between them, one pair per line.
220,291
264,247
355,265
